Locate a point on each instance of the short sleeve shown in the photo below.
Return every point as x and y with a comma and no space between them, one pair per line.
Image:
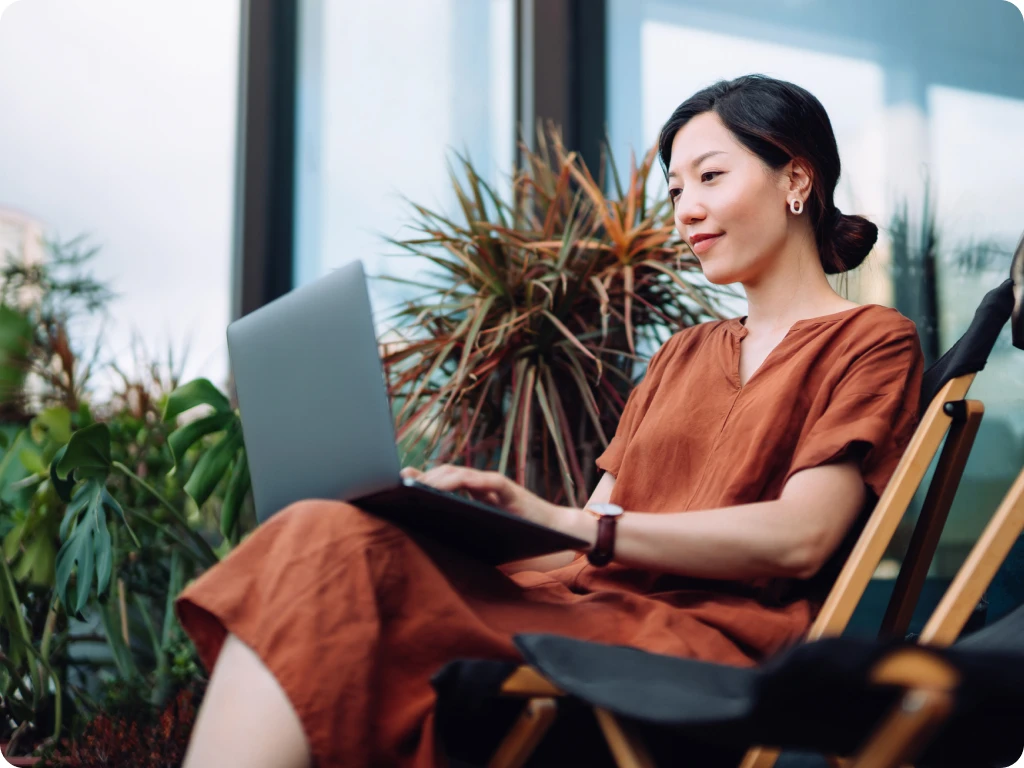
870,414
637,403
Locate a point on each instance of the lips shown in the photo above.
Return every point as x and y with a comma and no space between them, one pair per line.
703,243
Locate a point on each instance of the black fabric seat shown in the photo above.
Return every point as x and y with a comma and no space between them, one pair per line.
814,697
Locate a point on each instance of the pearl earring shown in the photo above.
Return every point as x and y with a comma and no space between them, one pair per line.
796,206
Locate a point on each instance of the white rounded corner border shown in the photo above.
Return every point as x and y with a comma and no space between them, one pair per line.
4,5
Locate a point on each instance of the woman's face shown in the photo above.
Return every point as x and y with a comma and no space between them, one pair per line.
719,187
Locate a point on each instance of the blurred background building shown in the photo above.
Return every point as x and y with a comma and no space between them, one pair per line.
21,236
222,153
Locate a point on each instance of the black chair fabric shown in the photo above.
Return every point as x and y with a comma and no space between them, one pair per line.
970,353
815,697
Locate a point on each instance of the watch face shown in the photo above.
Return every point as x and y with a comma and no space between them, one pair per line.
606,510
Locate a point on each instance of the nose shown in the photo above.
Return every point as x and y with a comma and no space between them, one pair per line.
688,210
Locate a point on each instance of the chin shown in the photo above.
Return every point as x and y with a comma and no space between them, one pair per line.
721,274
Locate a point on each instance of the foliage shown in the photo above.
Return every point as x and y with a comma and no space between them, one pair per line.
127,739
106,513
522,347
50,294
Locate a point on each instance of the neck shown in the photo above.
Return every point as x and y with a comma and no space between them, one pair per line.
794,289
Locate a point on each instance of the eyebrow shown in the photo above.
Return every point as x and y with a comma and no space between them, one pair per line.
700,160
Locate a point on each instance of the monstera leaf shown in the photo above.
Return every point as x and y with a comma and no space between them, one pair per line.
225,457
85,537
86,543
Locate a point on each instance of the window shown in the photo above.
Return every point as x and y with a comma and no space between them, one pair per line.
386,92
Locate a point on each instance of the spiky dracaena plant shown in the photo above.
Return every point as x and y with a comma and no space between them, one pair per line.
520,351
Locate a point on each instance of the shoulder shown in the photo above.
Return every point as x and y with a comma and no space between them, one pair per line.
876,322
868,329
876,349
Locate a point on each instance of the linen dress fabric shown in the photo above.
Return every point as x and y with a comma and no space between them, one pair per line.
353,616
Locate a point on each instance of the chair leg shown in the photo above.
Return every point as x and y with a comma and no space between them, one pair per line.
967,415
626,747
525,735
910,726
760,757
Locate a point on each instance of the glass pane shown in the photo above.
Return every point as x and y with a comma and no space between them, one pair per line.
119,123
978,173
387,92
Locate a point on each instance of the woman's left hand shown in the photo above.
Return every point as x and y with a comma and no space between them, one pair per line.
495,489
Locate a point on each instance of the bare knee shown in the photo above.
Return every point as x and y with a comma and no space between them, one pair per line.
246,718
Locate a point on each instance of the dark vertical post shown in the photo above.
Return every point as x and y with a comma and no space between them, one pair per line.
265,182
560,56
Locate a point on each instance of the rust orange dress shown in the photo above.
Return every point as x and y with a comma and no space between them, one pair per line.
352,616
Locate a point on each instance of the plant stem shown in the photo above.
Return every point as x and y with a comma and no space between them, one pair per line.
170,532
159,652
122,605
17,676
51,624
20,621
204,547
58,698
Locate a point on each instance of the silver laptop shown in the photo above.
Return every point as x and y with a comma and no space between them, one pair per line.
317,423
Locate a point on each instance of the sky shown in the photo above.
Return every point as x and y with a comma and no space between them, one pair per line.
109,130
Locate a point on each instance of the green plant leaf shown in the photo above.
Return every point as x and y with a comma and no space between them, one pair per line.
54,423
238,487
37,560
195,393
32,461
87,454
63,486
213,464
180,440
86,549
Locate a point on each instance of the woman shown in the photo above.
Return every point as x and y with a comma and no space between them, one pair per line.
743,460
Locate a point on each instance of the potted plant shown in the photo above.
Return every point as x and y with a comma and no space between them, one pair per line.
526,336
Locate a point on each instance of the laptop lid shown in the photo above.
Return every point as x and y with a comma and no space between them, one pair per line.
315,414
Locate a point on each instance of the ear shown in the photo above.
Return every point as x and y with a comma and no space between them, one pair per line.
798,178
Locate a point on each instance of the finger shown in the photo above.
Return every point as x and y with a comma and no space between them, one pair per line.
451,478
436,475
412,473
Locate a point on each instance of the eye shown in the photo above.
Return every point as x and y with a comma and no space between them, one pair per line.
710,173
674,193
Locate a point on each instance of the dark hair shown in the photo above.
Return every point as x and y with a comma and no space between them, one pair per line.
779,121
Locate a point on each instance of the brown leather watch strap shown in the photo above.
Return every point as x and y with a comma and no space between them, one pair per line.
604,548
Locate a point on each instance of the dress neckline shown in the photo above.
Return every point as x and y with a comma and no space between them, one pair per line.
739,330
736,324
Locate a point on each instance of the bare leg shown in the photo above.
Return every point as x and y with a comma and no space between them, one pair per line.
245,718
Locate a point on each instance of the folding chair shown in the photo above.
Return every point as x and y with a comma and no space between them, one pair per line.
944,389
984,672
889,702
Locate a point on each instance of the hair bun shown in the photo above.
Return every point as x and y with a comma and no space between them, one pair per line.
849,239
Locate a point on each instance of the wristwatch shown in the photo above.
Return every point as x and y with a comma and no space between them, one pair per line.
604,548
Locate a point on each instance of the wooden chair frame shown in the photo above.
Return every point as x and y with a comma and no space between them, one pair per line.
930,684
947,412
